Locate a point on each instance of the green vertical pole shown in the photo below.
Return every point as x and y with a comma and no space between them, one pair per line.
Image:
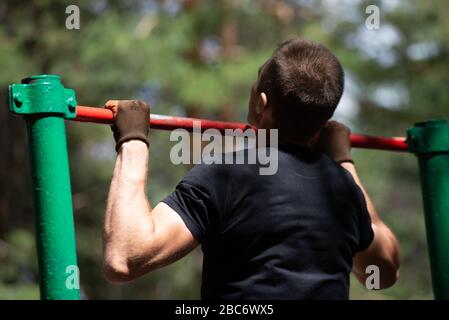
430,142
45,103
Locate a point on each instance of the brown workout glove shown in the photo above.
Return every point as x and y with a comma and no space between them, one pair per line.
131,120
335,141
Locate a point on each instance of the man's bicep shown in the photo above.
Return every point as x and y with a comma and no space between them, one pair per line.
172,238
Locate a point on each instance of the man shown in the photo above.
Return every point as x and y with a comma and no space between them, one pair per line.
296,234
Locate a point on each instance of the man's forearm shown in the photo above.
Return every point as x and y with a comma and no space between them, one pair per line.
384,250
128,209
137,238
371,209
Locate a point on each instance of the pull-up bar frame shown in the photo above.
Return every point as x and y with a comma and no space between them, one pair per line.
45,104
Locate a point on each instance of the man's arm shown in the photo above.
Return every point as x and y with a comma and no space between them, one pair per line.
383,251
137,238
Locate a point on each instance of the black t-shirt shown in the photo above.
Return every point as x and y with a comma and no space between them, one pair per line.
291,235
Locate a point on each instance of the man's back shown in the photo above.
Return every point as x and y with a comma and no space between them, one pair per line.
290,235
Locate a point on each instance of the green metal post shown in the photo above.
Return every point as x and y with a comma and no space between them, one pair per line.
430,142
45,103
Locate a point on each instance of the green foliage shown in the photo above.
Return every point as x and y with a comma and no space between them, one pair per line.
201,60
19,266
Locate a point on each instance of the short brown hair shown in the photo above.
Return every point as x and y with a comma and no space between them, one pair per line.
304,82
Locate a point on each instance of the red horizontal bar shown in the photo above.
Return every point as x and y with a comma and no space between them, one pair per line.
101,115
380,143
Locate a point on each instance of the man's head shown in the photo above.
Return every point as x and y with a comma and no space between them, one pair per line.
297,90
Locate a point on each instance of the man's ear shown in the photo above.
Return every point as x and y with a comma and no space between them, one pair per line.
262,103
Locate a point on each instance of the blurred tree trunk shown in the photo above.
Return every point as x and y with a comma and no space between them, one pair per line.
15,204
229,37
15,189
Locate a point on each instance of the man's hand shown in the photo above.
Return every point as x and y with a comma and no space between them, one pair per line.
131,120
334,140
